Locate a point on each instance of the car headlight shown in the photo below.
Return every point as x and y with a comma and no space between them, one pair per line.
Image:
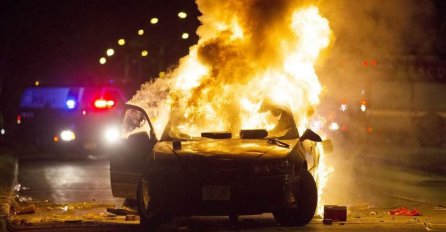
112,134
273,168
67,135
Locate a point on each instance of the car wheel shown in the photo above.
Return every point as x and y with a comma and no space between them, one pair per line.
149,215
306,202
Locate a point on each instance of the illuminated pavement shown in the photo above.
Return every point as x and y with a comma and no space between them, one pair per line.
66,181
370,189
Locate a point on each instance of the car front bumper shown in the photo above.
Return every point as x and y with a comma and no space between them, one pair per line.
205,195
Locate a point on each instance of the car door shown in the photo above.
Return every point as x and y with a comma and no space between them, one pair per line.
131,157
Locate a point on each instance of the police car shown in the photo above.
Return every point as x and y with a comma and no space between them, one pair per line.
61,120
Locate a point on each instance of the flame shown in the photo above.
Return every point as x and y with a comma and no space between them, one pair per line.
248,51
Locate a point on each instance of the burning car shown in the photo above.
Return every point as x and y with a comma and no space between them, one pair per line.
217,173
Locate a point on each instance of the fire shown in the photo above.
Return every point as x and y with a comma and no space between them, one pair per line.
248,51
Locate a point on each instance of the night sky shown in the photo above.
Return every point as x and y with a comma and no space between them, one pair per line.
60,42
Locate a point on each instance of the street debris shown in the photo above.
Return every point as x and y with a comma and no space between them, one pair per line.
122,211
428,226
27,209
403,211
131,218
327,221
335,213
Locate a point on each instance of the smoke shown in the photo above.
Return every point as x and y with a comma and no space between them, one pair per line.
385,31
378,30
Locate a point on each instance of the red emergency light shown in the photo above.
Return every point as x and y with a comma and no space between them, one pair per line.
103,103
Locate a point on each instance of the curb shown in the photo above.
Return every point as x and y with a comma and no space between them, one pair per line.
6,201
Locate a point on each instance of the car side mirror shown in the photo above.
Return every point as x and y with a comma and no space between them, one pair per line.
310,135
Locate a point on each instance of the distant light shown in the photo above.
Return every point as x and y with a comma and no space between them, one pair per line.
37,83
365,63
56,139
110,52
144,53
140,32
67,135
2,131
154,20
102,60
182,15
84,112
19,119
121,42
344,107
185,36
363,108
334,126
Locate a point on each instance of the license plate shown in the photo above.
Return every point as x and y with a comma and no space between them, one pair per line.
216,193
90,145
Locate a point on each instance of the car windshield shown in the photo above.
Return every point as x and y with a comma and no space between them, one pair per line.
283,127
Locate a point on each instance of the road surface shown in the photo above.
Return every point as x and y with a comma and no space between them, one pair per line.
367,183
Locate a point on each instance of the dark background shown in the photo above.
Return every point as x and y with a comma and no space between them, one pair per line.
60,43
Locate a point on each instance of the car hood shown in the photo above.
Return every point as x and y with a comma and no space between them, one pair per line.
225,149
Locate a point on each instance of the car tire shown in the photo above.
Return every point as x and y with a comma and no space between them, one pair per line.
149,216
306,203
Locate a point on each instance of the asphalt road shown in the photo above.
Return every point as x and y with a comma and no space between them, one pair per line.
367,183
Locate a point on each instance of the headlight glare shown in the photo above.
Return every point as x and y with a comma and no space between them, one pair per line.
67,135
112,134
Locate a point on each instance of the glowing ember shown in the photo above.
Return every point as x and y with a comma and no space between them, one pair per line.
262,50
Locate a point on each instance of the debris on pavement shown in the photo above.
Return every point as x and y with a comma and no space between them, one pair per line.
27,209
131,218
327,221
403,211
121,211
428,226
335,212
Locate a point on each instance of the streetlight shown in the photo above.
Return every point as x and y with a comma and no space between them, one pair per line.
185,35
182,15
110,52
37,83
121,42
102,60
144,53
154,20
140,32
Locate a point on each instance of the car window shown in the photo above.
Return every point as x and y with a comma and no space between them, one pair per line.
134,121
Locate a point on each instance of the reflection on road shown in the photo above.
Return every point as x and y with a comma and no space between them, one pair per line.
66,181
